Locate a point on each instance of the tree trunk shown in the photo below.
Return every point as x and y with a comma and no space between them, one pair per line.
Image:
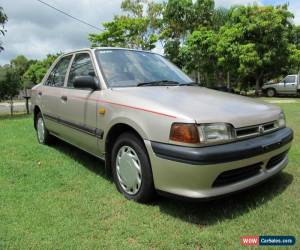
257,82
228,80
256,86
11,106
27,102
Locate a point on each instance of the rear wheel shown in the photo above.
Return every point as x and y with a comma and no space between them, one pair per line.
131,168
271,92
43,135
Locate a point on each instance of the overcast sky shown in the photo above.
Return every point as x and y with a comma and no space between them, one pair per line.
35,30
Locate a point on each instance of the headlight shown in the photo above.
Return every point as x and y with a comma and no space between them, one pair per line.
281,120
216,132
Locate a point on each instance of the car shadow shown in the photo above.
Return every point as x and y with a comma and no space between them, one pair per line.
229,207
90,162
200,212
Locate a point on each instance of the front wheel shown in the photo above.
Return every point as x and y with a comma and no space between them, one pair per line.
43,135
271,92
131,168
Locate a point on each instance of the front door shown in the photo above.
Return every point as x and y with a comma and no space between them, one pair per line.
290,84
78,107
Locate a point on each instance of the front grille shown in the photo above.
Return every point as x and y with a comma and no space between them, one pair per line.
236,175
255,130
276,160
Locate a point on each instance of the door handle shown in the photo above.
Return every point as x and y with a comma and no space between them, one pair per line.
40,93
64,98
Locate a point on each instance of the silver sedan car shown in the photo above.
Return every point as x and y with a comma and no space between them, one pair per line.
157,131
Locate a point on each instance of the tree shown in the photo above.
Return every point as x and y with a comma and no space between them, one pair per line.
37,70
10,84
136,29
3,20
181,18
294,51
198,53
21,64
220,17
125,32
256,40
294,60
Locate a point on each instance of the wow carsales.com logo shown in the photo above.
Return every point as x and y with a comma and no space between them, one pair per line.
267,240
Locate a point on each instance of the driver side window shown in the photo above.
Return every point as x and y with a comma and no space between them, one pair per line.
81,66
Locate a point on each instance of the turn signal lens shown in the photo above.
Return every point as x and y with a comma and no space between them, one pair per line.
186,133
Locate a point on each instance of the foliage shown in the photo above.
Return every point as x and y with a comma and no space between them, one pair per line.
9,82
133,30
21,64
294,59
242,45
180,18
201,44
255,39
125,32
220,17
251,43
3,20
11,76
37,70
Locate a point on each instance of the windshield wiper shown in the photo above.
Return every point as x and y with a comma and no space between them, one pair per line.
158,83
189,84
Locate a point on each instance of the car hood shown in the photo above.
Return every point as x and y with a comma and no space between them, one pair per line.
197,104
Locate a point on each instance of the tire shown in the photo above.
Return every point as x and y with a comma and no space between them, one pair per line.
131,168
43,135
271,92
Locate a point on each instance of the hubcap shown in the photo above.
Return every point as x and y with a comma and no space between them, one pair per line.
270,92
41,130
129,170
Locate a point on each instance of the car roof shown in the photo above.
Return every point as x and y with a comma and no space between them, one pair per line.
104,48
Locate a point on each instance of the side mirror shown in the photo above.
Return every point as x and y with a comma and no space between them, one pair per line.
85,82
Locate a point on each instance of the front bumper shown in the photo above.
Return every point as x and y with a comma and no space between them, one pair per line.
217,170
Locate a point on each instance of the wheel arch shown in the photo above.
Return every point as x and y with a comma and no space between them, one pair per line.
112,135
36,110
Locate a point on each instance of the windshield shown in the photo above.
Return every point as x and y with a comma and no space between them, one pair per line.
127,68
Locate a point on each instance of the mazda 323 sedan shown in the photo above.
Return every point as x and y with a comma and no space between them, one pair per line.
156,130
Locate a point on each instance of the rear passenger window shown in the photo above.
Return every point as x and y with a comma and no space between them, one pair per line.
58,74
81,66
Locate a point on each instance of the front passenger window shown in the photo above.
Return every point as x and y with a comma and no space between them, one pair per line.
81,66
290,79
57,76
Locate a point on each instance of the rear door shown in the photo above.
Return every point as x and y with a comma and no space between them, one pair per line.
51,92
78,107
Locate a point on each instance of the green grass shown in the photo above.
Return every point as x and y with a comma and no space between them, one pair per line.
58,197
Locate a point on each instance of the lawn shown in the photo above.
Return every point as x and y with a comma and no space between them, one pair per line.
59,197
